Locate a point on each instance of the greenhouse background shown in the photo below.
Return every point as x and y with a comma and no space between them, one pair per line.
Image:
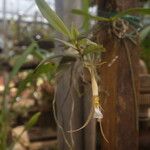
26,8
74,75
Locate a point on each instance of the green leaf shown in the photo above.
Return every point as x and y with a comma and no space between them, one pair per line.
90,47
53,57
80,12
86,21
140,11
28,126
52,18
82,43
47,69
21,60
1,118
93,48
145,32
32,121
74,32
133,20
37,53
66,43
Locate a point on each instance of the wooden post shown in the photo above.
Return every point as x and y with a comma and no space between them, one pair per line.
120,123
63,9
85,138
71,84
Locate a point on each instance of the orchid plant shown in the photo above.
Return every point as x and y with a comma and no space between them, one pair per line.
83,49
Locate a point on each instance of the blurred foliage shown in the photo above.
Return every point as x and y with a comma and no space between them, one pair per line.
6,114
141,11
25,31
145,37
145,43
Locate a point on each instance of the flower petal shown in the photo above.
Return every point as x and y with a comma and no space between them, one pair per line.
97,113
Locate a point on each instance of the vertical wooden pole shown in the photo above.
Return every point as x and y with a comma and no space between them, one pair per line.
120,108
64,8
85,138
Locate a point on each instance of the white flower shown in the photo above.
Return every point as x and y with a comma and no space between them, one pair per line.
97,113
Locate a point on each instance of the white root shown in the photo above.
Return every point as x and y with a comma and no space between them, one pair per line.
96,103
97,112
94,84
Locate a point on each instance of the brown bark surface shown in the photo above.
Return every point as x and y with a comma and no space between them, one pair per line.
120,121
85,138
120,108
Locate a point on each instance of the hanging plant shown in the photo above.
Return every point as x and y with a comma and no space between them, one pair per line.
84,52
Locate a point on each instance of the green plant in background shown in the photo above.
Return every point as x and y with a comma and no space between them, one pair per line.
5,110
23,33
145,43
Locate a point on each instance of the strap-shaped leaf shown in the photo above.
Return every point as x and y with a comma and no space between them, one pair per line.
74,32
141,11
53,56
20,61
145,32
85,8
52,18
48,69
65,43
80,12
32,121
28,126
